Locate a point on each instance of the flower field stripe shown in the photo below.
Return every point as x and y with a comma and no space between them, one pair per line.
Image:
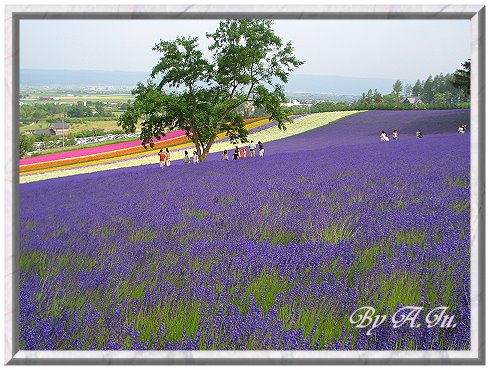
250,126
150,153
96,150
251,123
43,163
91,158
102,155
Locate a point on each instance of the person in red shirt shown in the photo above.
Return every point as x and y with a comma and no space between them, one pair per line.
163,157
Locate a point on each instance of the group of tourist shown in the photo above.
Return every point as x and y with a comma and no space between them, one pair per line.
418,133
394,135
238,153
194,159
164,157
242,152
384,137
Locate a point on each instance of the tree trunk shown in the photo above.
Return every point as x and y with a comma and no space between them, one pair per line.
205,152
197,144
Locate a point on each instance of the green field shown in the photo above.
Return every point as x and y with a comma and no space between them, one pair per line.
87,123
107,126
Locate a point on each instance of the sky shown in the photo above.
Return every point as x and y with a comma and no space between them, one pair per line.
402,49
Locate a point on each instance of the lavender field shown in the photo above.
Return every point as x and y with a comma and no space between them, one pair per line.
270,253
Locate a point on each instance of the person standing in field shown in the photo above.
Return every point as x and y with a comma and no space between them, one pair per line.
195,158
186,157
383,136
167,157
224,157
261,149
418,133
236,154
395,134
243,153
252,148
163,158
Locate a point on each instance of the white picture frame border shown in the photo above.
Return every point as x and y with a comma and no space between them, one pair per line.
15,13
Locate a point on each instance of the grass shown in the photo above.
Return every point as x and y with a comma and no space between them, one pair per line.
339,230
265,290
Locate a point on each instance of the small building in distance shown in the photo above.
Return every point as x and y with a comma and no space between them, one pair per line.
55,129
296,103
60,128
45,131
412,100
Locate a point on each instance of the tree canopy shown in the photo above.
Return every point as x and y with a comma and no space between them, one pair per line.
397,87
462,78
249,64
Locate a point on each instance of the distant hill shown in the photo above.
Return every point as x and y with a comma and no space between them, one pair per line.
340,85
297,83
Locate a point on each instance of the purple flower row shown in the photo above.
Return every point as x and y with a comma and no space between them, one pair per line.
267,253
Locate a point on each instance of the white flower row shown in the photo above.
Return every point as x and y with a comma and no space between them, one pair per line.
297,126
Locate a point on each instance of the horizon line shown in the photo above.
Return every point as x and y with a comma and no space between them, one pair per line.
292,74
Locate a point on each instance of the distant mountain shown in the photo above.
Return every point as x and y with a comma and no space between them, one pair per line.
297,83
45,77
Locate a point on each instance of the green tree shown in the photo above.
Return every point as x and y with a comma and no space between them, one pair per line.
377,97
417,88
369,96
26,144
250,63
439,98
79,110
397,88
461,79
391,98
408,90
428,90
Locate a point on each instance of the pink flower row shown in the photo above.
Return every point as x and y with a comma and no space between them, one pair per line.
95,150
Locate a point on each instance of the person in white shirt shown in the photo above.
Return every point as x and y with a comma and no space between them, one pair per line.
252,148
383,136
195,158
186,157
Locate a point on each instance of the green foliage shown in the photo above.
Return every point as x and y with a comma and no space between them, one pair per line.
35,112
265,290
26,144
79,110
101,109
438,92
339,230
397,87
204,98
385,105
461,79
